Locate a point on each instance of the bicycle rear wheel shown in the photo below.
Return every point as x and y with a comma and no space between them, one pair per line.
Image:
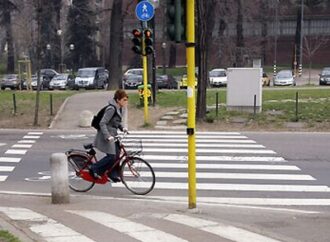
137,176
76,183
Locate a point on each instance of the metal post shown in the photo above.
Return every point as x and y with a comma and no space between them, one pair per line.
216,104
154,82
301,37
60,183
254,105
145,78
191,105
275,37
14,103
51,104
297,118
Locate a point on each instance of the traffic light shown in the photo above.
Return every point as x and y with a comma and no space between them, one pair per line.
137,41
148,41
176,20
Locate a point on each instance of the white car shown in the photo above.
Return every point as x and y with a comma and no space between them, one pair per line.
218,77
284,78
136,71
59,81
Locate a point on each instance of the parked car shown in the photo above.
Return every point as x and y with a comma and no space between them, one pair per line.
44,82
91,77
166,81
134,71
49,73
284,78
133,81
184,81
265,80
60,81
218,77
324,76
10,81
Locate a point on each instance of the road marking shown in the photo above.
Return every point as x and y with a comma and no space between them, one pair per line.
185,136
235,187
223,230
180,132
135,230
31,137
2,144
145,144
48,229
213,175
215,158
246,141
16,152
7,168
251,201
3,178
26,141
35,133
209,151
21,146
10,159
227,166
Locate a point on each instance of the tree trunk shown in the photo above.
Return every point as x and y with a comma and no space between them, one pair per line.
9,40
172,58
239,35
116,45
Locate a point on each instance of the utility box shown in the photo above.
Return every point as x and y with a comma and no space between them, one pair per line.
244,89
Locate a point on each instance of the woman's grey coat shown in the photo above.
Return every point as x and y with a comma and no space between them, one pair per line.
109,125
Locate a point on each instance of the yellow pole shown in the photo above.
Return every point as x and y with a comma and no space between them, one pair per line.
191,102
145,81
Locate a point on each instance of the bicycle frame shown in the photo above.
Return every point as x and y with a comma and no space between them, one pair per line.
91,158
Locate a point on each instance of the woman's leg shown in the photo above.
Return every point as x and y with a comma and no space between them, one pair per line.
102,165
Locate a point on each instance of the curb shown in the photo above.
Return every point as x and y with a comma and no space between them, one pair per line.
58,113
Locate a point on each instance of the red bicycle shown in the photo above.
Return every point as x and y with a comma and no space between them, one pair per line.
135,173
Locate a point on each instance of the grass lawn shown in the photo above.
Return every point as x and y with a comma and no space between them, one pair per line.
5,236
25,108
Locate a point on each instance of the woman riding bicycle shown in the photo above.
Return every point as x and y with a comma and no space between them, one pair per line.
105,137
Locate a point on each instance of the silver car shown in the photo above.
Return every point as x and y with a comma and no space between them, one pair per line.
284,78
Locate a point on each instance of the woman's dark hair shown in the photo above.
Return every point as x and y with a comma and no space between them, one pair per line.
120,94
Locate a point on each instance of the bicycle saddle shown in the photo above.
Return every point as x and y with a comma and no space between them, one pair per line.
88,146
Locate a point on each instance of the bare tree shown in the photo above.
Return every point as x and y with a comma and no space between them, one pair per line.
312,44
116,43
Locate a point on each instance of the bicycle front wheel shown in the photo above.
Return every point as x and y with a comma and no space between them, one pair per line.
137,176
76,183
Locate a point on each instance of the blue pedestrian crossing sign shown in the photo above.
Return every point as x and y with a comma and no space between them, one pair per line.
144,11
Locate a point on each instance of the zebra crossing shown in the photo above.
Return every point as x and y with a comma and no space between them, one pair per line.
129,227
14,154
229,166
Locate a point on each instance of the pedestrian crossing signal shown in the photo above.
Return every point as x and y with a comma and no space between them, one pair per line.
148,41
137,41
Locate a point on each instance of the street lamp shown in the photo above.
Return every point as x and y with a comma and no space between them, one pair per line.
61,67
301,37
164,57
71,47
48,47
275,35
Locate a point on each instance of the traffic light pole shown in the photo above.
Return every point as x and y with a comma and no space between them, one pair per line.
145,77
191,105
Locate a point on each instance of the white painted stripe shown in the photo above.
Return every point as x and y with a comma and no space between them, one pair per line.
215,158
135,230
236,187
180,132
223,230
21,146
26,141
10,159
251,201
7,168
31,137
16,152
227,166
145,144
3,178
212,175
185,136
48,229
209,151
198,141
2,144
35,133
